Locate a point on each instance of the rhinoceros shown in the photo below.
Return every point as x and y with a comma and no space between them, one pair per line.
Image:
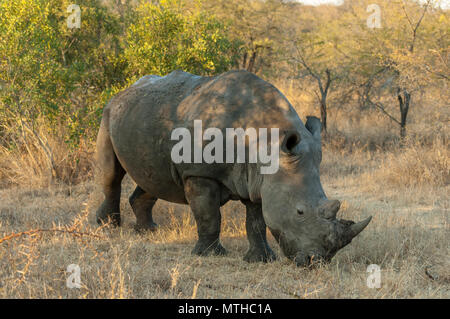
135,137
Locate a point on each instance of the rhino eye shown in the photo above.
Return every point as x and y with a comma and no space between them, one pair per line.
300,212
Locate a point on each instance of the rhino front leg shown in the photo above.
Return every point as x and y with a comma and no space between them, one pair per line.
142,204
255,225
203,196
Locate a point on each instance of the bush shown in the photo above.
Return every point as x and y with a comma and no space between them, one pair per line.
53,78
56,80
163,39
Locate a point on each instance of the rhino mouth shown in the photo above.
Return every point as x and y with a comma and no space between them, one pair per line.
343,233
310,260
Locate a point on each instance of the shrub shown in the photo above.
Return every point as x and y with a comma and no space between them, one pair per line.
53,78
166,37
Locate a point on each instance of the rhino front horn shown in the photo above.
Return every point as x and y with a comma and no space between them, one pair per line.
355,229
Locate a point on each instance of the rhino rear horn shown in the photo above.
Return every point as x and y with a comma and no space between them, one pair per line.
329,209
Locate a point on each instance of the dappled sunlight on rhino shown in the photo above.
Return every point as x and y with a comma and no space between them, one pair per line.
135,137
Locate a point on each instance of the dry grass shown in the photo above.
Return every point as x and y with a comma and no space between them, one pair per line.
416,165
39,157
405,189
408,238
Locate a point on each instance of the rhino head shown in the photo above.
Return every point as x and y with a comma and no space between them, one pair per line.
295,207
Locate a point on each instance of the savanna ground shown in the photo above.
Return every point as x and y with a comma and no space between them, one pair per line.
55,81
405,189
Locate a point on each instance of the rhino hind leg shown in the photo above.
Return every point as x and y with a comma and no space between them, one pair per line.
203,196
142,203
255,225
110,174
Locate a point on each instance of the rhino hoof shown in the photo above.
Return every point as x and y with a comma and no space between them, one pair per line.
113,220
107,214
255,255
215,249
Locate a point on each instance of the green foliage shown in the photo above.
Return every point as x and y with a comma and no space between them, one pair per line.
30,66
164,38
49,70
66,76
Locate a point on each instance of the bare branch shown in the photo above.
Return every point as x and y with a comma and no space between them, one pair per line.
416,27
380,106
303,62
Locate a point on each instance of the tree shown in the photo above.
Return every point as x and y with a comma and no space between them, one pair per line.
52,76
257,26
319,51
394,58
51,70
166,37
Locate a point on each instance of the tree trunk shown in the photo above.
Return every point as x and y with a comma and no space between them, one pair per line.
323,113
248,62
404,99
251,62
244,61
323,99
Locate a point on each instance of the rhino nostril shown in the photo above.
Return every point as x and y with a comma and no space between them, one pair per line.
300,212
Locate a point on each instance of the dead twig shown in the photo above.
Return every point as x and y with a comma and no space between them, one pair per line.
43,230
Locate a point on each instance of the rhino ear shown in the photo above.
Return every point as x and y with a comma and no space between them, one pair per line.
290,141
314,126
